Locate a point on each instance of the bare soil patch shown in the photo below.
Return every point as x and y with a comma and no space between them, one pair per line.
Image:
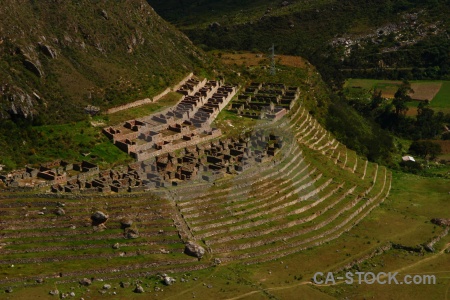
426,90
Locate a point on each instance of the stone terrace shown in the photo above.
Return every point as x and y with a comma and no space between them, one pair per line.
265,101
183,125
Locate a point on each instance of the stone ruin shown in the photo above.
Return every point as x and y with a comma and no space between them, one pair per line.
173,146
185,124
265,101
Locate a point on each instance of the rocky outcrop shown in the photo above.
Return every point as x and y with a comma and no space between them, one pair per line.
33,67
16,102
441,222
48,51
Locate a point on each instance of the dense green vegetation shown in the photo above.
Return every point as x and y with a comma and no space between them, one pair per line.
293,29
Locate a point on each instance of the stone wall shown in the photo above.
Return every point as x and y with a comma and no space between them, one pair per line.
148,100
147,155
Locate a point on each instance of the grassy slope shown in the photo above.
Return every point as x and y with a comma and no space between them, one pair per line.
403,218
108,53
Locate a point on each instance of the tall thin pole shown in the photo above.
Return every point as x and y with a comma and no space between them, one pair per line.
272,63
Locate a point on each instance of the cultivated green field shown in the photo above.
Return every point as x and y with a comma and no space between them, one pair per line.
437,92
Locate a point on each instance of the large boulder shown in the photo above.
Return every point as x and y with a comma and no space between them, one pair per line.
195,250
85,282
168,280
138,289
59,211
125,223
99,218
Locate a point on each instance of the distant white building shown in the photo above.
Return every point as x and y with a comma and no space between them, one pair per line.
408,158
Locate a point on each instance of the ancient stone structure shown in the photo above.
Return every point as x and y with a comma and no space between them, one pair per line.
265,101
183,125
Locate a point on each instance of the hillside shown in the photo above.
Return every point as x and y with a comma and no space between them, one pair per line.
59,56
409,37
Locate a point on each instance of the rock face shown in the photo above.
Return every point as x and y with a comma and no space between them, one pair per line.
18,103
195,250
99,218
74,36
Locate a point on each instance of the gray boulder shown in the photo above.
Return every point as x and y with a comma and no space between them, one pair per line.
195,250
138,289
85,282
131,233
60,212
99,218
125,223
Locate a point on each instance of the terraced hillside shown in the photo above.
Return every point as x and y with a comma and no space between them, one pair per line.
313,191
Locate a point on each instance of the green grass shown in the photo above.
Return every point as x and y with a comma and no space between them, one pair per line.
442,99
70,141
141,111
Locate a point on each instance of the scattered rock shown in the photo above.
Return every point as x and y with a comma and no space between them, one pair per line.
125,223
131,233
138,289
106,286
124,284
217,261
54,293
85,282
168,280
47,50
195,250
72,294
60,212
40,280
99,218
99,228
116,246
104,14
9,290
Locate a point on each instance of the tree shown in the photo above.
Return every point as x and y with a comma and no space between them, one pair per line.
425,149
401,97
377,99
